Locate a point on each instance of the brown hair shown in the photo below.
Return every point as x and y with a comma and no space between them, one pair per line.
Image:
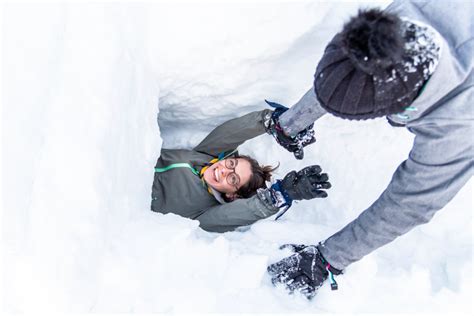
260,174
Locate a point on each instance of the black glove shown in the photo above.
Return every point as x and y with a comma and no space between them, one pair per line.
305,184
305,271
292,144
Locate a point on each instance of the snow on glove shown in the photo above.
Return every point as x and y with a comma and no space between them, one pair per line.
293,144
293,247
305,271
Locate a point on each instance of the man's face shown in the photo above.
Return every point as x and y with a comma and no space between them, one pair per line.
228,175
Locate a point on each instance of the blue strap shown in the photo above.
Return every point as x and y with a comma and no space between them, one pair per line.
276,187
276,105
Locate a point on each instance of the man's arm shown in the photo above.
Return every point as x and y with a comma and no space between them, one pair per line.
302,114
231,134
439,165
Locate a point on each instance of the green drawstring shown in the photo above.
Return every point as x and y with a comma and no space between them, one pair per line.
221,156
331,276
177,165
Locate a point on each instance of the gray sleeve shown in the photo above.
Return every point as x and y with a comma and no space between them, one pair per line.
241,212
231,134
439,165
302,114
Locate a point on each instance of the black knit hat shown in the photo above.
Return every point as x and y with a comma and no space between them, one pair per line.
365,71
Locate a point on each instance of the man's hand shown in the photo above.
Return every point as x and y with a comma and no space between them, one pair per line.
305,271
293,144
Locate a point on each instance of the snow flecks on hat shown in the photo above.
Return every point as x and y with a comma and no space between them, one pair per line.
422,46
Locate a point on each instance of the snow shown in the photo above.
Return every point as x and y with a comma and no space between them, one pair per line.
424,48
82,87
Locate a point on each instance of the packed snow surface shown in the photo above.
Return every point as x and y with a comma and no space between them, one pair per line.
83,87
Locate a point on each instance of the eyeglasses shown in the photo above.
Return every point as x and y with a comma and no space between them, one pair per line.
232,178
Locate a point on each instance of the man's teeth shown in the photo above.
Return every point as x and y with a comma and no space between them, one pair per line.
216,174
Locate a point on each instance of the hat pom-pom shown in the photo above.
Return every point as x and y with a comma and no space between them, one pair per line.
373,40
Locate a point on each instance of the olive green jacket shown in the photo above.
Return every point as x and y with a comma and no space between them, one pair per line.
181,192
